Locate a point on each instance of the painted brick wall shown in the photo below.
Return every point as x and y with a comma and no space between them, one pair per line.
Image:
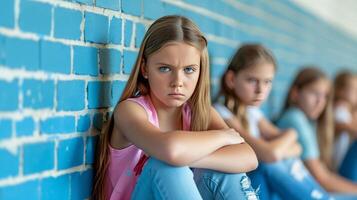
63,66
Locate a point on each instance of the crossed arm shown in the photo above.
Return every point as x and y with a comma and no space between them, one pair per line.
219,148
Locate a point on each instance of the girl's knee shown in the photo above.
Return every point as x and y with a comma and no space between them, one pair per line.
159,166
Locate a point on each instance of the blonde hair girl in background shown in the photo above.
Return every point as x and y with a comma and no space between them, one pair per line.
245,85
308,109
164,124
345,100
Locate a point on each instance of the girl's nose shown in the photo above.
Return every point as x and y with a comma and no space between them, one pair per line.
177,80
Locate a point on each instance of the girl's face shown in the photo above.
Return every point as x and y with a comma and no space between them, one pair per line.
173,72
312,98
252,85
349,92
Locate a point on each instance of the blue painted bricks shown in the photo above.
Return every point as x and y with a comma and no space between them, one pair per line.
38,157
70,95
38,22
64,66
96,28
67,23
9,95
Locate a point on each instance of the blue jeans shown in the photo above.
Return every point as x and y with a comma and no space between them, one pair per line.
348,167
159,180
289,179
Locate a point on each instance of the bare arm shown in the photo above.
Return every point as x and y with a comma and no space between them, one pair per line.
235,158
268,150
351,128
329,180
175,147
284,141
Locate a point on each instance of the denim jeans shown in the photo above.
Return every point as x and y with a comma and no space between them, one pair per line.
289,179
159,180
348,167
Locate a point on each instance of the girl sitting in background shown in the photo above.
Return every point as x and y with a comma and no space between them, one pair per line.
308,109
345,99
244,87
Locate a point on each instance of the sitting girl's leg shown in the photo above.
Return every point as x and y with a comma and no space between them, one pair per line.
348,167
291,180
259,182
223,186
159,180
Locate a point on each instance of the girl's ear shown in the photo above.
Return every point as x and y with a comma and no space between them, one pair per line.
143,69
229,79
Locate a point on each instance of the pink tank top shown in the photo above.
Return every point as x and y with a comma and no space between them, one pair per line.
121,178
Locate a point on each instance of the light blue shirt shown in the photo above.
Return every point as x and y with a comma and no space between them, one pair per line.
306,131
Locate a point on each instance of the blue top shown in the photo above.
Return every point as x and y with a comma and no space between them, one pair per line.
306,131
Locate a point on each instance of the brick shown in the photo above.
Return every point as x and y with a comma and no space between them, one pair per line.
115,31
5,128
81,184
22,191
7,13
110,4
132,7
153,9
35,17
55,188
96,28
9,95
65,124
2,50
70,95
67,23
25,127
170,9
55,57
38,94
70,153
27,56
128,31
129,58
110,61
91,143
117,90
99,94
38,157
83,123
140,33
11,168
85,60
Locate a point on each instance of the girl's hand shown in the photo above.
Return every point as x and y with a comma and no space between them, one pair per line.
233,137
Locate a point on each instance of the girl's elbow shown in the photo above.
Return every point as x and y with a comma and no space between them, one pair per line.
252,163
172,154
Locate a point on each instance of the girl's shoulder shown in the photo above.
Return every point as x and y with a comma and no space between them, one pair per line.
223,111
140,105
291,116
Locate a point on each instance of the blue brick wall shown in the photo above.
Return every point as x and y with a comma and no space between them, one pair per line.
64,65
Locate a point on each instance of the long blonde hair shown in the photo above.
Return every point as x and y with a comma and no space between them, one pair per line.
325,128
341,81
248,55
166,29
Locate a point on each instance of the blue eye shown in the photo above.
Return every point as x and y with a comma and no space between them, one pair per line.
252,80
164,69
268,82
189,70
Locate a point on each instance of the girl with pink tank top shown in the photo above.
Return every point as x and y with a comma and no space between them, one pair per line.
164,125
